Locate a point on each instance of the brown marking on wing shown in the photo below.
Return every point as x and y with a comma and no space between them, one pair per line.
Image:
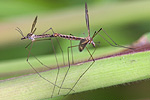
82,44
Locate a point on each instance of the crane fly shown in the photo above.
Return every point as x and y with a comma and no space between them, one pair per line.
31,36
83,44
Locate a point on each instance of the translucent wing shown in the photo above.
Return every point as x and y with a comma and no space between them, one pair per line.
82,44
87,18
34,23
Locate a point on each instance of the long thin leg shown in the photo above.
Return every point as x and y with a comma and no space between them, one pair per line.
92,53
72,52
61,50
57,67
68,67
46,79
48,30
56,58
94,49
57,63
116,45
58,44
84,71
59,47
31,43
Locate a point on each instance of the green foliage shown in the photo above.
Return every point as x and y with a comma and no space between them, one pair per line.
104,73
125,22
123,28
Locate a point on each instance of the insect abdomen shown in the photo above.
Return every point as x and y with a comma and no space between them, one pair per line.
69,37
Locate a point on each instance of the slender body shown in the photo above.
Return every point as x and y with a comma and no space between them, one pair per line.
31,36
83,43
69,37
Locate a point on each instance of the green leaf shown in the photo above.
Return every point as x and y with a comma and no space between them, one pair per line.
104,72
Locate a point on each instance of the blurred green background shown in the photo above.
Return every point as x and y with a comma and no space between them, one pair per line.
124,20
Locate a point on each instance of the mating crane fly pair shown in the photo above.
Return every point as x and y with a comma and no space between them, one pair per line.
83,44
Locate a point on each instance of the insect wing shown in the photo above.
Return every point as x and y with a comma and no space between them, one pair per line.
87,19
82,44
34,23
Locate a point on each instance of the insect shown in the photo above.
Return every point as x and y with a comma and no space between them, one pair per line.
83,44
31,36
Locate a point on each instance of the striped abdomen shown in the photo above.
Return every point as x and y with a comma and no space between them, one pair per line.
43,36
69,37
